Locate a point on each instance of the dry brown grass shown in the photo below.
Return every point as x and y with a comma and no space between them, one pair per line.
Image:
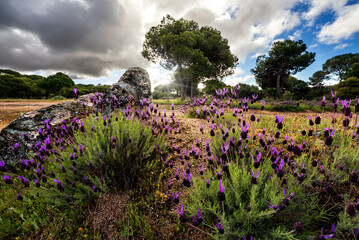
11,109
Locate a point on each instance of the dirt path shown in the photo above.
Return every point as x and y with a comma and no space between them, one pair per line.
185,139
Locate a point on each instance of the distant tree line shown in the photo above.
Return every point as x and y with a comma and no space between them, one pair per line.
16,85
342,68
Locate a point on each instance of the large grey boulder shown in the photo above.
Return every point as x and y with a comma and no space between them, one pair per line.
134,83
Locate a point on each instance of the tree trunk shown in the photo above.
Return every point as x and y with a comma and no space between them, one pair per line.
183,94
279,92
192,90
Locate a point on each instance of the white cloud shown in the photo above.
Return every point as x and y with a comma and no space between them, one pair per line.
114,41
341,46
343,27
317,7
296,35
313,45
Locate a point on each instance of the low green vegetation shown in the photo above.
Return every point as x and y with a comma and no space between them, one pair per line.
51,194
58,86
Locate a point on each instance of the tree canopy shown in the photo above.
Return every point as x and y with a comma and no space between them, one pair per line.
199,53
341,65
349,88
16,85
285,58
53,83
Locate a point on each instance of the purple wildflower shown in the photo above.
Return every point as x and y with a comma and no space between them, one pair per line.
254,177
220,226
221,195
182,216
175,197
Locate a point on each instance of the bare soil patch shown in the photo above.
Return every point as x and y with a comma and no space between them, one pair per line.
11,109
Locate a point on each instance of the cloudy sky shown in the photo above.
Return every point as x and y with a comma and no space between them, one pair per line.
95,41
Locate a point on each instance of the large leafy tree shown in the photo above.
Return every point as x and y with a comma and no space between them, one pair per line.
212,85
285,58
298,88
200,52
53,83
316,81
341,65
348,88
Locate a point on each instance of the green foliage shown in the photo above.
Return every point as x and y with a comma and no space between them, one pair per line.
15,85
212,85
353,71
248,90
340,65
166,91
262,221
298,88
54,83
59,98
285,58
311,208
349,88
121,165
176,101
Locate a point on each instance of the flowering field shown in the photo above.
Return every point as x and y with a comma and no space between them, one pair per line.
212,168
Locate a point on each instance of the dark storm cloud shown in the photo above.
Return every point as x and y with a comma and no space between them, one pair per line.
87,37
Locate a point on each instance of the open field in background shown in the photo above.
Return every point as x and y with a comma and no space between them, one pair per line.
12,108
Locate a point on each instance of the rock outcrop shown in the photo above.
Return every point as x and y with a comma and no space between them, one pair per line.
135,83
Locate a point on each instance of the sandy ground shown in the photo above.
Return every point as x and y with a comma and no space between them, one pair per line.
11,109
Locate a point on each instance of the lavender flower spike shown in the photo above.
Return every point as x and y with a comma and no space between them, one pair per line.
254,178
220,226
182,216
221,195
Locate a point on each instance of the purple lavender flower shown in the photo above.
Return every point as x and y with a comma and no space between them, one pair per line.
280,122
221,195
75,92
286,199
37,183
104,120
16,148
263,103
187,180
323,101
346,122
346,107
60,185
357,106
351,210
182,216
254,177
199,216
175,197
7,179
333,96
321,236
19,197
317,120
220,226
353,177
2,166
329,140
208,183
298,227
